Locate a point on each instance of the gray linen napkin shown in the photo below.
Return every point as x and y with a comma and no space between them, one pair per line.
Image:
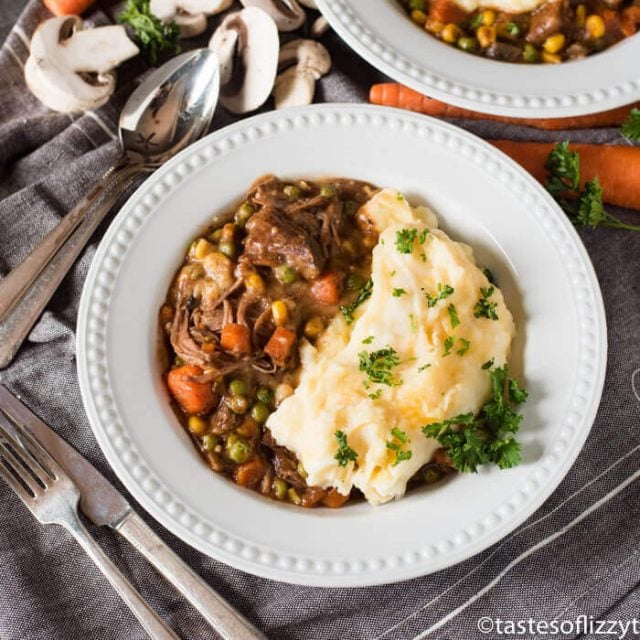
577,555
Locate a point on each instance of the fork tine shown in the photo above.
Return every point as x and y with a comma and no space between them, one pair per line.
17,465
26,443
12,481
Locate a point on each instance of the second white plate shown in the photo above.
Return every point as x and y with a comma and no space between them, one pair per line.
482,198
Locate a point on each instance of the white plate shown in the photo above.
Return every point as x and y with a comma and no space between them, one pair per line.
380,31
482,198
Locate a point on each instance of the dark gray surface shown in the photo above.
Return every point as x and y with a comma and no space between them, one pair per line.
579,554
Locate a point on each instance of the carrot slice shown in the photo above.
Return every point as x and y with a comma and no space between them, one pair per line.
235,338
67,7
616,166
446,11
280,345
194,397
334,499
326,289
250,473
391,94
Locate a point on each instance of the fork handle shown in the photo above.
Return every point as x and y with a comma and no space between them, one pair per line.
228,622
149,619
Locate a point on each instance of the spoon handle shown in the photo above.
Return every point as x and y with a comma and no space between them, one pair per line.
48,264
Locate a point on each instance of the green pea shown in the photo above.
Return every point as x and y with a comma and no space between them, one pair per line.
355,282
237,404
238,387
265,395
244,212
259,413
228,248
291,191
467,44
327,191
294,496
351,207
431,474
280,488
529,53
237,449
285,274
419,5
302,472
210,442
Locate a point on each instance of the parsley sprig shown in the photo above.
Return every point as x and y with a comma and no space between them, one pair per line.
154,36
488,437
630,129
484,308
404,240
363,295
378,366
399,440
345,453
587,209
444,291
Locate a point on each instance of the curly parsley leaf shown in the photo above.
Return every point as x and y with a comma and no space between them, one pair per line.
484,308
564,169
399,440
453,316
423,236
630,129
378,366
448,345
345,453
444,291
154,36
363,295
404,240
398,292
466,345
489,437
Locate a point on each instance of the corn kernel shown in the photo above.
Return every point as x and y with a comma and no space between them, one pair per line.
486,36
201,248
313,327
228,232
280,312
581,14
550,58
197,425
554,43
488,17
451,33
254,282
419,17
433,26
594,25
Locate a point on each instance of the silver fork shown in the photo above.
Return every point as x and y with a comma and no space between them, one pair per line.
53,498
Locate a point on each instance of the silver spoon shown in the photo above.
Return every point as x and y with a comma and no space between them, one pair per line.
170,109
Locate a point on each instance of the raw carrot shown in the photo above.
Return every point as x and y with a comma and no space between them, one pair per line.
67,7
392,94
194,397
326,289
446,11
280,344
616,166
235,338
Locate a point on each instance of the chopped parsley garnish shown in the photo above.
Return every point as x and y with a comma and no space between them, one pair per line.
484,308
363,295
368,340
630,129
453,316
412,322
399,292
423,236
488,274
404,240
464,348
488,364
423,367
376,394
378,366
488,437
476,21
512,28
400,197
587,208
448,345
152,34
345,453
444,291
399,440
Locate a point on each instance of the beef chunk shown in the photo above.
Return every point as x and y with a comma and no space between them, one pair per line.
275,238
505,52
546,21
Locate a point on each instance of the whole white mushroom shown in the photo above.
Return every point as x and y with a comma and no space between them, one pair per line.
189,15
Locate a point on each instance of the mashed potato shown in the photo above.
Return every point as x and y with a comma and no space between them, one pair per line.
427,385
510,6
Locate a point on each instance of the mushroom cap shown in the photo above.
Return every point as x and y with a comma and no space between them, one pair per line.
191,25
171,9
308,55
310,4
63,56
287,14
246,43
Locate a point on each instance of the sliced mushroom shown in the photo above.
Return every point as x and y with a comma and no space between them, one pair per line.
189,15
319,27
296,85
287,14
71,69
246,43
310,4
